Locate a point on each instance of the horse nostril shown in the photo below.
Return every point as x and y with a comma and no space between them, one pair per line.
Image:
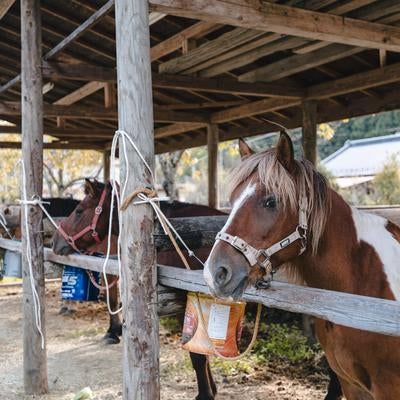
222,276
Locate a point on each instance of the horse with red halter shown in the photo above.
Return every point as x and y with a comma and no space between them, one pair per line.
88,225
285,216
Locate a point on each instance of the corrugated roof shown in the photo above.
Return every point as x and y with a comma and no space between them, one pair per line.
363,157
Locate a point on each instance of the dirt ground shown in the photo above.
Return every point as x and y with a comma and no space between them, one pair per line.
77,358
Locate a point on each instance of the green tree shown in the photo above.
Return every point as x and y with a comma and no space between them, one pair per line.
387,183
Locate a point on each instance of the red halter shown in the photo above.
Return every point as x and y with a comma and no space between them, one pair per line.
71,240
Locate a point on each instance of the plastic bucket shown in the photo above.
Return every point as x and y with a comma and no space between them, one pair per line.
223,321
12,264
76,285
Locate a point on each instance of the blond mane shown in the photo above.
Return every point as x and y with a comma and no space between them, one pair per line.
287,188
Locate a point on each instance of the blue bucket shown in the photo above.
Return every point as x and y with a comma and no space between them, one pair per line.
76,285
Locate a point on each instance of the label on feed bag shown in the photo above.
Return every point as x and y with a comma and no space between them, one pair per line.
223,322
218,321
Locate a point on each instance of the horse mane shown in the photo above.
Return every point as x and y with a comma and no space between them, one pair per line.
287,187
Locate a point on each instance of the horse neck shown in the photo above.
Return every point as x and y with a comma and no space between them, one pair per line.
353,254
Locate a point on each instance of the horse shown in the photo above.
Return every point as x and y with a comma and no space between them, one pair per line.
83,216
285,216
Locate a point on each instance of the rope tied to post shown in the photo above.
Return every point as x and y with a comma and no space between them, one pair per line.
149,193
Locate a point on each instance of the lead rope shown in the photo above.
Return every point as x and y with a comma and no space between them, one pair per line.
149,196
36,300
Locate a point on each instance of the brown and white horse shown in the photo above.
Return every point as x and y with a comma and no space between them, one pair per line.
285,216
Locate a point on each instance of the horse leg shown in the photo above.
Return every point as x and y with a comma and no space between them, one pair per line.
353,392
115,327
205,383
334,387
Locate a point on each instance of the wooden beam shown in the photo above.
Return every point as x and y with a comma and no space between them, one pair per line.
286,20
223,43
5,5
197,106
361,81
141,379
56,145
80,93
86,72
35,358
106,166
85,112
212,148
155,17
110,95
382,57
174,43
355,311
253,108
176,129
298,63
309,133
81,29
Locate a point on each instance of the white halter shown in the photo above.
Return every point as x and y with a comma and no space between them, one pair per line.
262,257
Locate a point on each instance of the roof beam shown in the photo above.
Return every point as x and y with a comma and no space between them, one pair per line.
299,62
175,42
253,108
326,113
81,112
5,5
80,93
286,20
86,72
361,81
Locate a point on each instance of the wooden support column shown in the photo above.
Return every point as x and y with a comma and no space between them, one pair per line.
139,274
35,359
106,165
309,138
212,146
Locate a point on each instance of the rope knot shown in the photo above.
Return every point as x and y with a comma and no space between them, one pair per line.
148,192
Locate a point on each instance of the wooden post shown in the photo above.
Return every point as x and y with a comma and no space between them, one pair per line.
139,275
35,360
212,145
309,138
106,165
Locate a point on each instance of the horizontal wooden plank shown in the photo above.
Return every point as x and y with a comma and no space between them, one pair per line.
363,80
81,29
287,20
84,112
359,312
84,72
175,42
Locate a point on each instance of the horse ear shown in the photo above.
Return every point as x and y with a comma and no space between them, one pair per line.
244,149
89,187
284,151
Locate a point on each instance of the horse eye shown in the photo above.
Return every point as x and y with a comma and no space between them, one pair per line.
269,202
78,211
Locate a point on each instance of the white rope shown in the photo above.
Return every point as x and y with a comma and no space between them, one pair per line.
36,300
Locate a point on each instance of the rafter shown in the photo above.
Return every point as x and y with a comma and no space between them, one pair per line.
286,20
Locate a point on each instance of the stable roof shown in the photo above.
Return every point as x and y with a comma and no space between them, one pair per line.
363,157
231,63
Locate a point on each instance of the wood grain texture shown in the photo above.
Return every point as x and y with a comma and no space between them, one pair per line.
212,149
286,20
359,312
309,132
35,358
139,280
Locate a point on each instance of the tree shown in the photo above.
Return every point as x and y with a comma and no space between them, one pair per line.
387,183
169,164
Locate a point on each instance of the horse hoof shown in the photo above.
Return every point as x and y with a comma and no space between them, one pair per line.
110,338
205,397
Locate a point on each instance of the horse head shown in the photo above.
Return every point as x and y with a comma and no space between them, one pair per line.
272,196
88,223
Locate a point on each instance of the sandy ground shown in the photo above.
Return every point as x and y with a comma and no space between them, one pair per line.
77,358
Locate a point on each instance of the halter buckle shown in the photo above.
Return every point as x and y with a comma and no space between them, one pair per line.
94,233
98,210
